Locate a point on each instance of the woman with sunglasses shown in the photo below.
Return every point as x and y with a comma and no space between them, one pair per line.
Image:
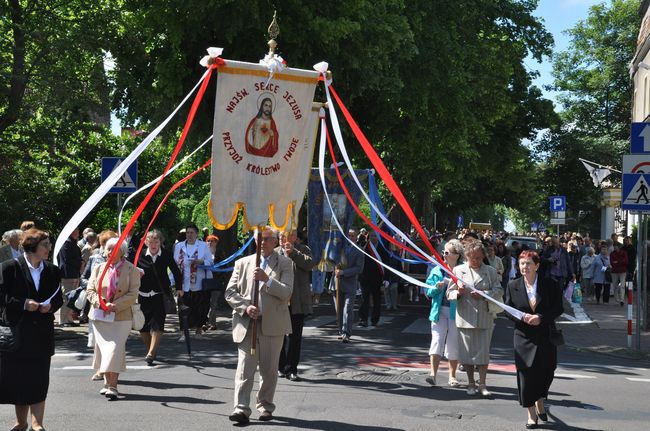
444,334
29,296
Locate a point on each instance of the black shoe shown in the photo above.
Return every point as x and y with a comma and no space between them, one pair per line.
265,416
70,325
282,374
294,377
363,324
149,360
239,417
621,303
20,429
531,426
542,416
375,323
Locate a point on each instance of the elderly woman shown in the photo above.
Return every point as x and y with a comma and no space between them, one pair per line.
155,262
600,267
444,334
119,290
587,278
473,318
29,296
535,356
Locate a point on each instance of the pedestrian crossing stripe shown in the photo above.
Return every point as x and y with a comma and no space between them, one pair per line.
125,181
636,192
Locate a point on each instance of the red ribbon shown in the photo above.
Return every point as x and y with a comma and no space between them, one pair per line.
359,212
145,202
385,175
162,203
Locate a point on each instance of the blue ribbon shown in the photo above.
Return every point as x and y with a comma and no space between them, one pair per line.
217,267
374,195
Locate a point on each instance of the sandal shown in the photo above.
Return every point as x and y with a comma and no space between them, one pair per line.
453,382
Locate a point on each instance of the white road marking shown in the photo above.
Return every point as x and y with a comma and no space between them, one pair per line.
90,367
637,379
574,376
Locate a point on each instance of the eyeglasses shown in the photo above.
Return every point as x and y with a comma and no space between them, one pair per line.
447,253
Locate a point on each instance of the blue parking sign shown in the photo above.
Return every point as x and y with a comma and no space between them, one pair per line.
558,203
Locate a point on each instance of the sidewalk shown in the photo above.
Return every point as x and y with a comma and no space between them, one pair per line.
603,329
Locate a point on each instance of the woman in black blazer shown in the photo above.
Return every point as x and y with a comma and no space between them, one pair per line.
535,356
155,262
26,285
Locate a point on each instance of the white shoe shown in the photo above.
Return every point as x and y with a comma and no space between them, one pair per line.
103,390
453,382
111,393
471,390
484,392
180,340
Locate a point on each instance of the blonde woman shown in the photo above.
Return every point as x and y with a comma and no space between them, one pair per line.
473,318
120,290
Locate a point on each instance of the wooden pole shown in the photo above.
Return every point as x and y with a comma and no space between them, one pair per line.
258,258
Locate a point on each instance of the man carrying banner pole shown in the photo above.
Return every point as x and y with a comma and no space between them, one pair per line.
270,317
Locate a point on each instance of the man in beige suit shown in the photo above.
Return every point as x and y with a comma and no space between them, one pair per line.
275,278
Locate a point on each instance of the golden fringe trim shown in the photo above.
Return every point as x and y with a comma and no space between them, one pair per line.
289,218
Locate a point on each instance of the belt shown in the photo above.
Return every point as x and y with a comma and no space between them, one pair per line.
148,294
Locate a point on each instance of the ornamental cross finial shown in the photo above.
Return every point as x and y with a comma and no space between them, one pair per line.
274,31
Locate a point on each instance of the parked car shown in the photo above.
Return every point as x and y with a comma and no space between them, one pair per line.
533,243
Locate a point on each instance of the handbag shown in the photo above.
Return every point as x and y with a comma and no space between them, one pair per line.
138,317
555,335
608,275
9,338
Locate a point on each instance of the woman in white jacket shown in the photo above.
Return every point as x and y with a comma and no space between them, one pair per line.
586,280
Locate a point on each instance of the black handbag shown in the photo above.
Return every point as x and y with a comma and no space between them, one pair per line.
556,336
9,338
608,275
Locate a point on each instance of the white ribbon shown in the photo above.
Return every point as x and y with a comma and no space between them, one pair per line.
143,188
339,140
274,64
212,53
117,173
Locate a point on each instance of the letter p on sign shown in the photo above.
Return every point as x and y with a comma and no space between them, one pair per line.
558,203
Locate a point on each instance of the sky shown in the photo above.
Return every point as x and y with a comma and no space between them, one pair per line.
558,16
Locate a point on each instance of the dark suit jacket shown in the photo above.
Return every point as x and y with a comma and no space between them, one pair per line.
16,286
69,259
158,279
534,341
351,269
372,276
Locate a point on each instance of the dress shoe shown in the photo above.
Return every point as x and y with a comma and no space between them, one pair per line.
431,380
294,377
111,394
19,429
36,429
103,390
542,416
345,339
239,417
266,416
363,324
282,374
149,360
531,426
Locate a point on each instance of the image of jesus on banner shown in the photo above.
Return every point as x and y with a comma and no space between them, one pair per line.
261,133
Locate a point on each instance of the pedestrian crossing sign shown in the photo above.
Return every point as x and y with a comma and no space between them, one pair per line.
128,182
636,192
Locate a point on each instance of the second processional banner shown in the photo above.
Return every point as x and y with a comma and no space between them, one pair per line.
263,144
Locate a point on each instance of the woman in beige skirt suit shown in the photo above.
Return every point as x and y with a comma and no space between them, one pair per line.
120,290
474,320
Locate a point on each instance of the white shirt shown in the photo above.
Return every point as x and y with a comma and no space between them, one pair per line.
35,272
153,256
188,253
532,291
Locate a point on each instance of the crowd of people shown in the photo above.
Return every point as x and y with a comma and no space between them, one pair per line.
85,288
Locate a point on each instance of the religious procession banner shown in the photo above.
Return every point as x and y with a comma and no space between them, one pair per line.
263,144
325,239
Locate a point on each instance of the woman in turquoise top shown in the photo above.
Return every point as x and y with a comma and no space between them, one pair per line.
444,334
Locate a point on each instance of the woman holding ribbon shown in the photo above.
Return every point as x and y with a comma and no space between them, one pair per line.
444,334
474,320
119,290
540,299
154,284
29,295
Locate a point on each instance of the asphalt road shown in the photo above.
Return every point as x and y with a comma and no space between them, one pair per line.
374,383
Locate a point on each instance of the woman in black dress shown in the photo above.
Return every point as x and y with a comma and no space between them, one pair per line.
29,296
535,356
155,263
